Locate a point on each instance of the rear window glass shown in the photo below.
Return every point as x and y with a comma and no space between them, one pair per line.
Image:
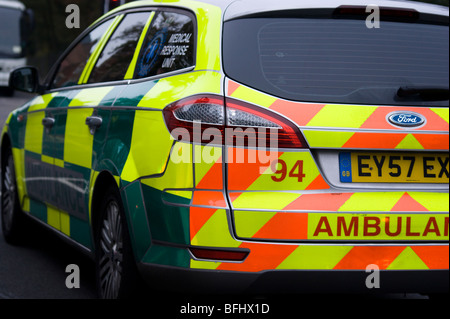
337,60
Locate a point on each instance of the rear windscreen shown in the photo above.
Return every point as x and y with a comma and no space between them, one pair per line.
337,60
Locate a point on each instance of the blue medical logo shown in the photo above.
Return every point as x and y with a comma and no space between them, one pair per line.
151,53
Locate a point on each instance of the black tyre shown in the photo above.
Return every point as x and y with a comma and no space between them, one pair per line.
116,269
14,225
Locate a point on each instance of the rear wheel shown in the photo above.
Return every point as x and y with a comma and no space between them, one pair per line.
116,268
13,220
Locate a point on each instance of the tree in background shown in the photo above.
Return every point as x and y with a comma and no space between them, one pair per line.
50,36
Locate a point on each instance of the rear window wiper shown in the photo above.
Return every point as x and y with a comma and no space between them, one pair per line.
424,93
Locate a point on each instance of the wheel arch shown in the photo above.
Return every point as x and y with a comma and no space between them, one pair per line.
102,183
5,144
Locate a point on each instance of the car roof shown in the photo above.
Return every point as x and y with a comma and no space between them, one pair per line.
239,8
233,9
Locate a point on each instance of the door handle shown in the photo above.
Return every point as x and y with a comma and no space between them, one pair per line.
48,122
94,122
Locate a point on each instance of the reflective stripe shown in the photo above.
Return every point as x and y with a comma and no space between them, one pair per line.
443,113
304,257
334,126
261,257
215,232
435,257
339,116
374,202
375,140
322,138
253,170
408,258
312,257
256,97
352,216
349,116
362,256
409,143
209,198
208,167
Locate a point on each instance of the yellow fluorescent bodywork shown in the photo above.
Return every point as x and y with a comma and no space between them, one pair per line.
34,129
79,141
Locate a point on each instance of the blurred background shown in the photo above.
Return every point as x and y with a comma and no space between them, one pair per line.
50,36
42,35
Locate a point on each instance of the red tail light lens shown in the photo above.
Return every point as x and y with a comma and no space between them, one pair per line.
188,119
267,124
211,120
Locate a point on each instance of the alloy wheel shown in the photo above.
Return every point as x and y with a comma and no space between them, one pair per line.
111,252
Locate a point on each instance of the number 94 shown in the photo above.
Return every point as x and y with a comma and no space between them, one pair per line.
280,169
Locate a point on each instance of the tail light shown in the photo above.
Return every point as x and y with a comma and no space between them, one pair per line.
205,119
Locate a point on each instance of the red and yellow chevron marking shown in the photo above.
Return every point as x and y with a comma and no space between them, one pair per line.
208,167
298,171
378,141
209,198
333,216
211,228
338,227
297,207
347,121
321,257
342,202
396,258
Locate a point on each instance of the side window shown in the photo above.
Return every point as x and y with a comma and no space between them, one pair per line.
168,46
73,64
118,53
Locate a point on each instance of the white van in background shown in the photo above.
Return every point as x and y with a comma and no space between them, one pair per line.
15,26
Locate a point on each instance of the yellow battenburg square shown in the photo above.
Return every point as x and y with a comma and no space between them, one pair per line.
79,141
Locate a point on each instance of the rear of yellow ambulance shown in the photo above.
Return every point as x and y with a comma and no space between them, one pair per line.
336,150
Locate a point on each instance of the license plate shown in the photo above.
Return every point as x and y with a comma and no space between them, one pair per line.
369,167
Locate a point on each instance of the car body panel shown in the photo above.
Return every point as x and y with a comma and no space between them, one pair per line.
179,196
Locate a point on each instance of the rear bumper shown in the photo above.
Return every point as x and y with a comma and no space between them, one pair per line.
292,282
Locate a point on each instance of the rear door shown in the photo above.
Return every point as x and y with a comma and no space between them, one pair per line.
84,119
46,180
372,108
